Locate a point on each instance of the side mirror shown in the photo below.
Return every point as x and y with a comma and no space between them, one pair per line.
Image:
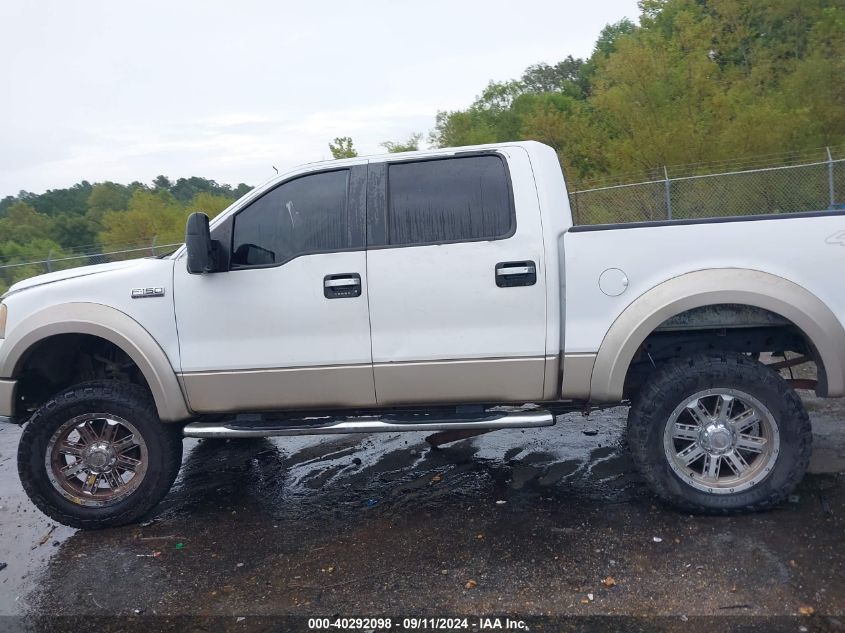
202,251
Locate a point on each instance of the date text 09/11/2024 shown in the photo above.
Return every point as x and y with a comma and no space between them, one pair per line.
413,624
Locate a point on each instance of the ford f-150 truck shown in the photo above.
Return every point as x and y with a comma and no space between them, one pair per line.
437,290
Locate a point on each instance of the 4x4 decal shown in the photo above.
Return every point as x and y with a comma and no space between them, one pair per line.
836,238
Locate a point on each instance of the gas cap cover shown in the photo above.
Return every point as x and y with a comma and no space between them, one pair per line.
613,282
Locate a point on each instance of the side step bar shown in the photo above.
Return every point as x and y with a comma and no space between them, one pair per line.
387,423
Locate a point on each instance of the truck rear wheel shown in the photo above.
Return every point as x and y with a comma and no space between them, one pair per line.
98,456
719,433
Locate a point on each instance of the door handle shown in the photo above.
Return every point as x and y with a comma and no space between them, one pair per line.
509,274
342,286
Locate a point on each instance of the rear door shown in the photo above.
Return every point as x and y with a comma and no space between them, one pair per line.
456,279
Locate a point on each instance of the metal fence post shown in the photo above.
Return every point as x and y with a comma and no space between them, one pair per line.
668,193
831,189
153,246
49,261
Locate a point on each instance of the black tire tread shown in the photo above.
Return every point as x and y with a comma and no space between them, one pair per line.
721,368
42,424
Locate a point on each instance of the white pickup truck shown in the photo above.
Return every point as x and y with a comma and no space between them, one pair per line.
438,290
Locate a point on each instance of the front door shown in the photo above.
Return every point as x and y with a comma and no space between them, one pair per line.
456,279
287,326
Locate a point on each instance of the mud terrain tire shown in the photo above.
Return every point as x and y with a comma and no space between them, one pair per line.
663,395
129,402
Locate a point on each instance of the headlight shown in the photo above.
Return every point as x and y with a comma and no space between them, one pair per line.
3,311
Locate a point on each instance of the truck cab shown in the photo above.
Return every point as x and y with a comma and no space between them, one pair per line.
322,274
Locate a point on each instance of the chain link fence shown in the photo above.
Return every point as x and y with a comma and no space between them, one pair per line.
813,186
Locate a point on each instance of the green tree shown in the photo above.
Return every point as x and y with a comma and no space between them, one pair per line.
162,182
567,76
150,215
40,251
73,231
23,224
54,201
107,196
694,81
185,189
411,145
209,203
35,227
342,147
241,190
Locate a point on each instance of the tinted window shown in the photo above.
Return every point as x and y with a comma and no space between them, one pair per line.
448,200
301,216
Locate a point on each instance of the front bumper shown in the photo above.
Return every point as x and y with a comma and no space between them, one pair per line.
7,397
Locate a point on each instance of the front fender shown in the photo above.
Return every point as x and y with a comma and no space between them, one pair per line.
107,323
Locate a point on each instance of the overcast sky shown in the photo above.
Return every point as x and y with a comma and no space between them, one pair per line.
105,90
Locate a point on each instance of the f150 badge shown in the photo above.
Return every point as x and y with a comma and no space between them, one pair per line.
146,293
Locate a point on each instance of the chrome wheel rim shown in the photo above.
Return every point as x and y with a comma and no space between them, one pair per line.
96,459
721,441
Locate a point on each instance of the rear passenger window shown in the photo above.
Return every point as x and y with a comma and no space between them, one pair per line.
449,200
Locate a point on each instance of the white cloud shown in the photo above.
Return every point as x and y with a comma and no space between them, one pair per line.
236,119
102,90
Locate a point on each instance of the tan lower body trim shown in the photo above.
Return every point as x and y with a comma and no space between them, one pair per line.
7,397
450,381
267,389
577,374
343,386
551,379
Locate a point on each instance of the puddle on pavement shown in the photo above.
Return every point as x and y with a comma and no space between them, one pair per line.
313,478
254,515
329,479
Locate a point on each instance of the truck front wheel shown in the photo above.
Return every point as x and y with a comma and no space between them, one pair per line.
98,456
719,433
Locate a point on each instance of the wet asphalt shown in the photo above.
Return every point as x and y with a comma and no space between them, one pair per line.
551,521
